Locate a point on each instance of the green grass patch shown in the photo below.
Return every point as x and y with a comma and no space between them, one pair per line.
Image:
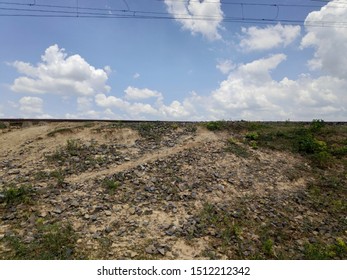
268,247
13,194
59,176
321,251
110,184
52,242
237,148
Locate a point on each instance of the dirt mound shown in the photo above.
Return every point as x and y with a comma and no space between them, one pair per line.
156,190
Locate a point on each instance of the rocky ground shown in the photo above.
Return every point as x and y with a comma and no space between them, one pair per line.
112,190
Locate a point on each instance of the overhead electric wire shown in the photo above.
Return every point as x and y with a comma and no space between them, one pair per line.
55,11
260,4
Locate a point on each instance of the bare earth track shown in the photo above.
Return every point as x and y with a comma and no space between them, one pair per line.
163,191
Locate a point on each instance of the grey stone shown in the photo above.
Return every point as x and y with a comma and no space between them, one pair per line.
151,249
166,226
171,231
74,203
161,251
108,229
42,214
57,210
13,171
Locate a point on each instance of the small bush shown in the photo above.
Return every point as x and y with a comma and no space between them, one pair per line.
310,145
2,125
268,247
72,146
111,184
339,151
317,125
17,195
215,125
252,136
322,159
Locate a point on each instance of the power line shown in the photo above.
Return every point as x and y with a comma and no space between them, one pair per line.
261,4
55,11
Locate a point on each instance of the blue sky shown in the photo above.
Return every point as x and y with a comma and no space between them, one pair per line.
206,60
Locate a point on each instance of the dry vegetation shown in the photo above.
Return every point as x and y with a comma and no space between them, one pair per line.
215,190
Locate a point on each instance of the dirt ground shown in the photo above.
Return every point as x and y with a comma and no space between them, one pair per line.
163,191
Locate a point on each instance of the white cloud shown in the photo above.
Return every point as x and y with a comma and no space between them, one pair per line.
330,43
202,17
249,92
136,76
84,103
108,69
225,66
132,109
90,114
132,93
60,74
139,110
175,110
30,105
258,71
110,101
274,36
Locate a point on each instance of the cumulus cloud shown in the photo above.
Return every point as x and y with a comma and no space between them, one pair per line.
225,66
130,108
110,101
61,74
132,93
330,43
249,92
259,39
30,105
84,103
258,71
201,17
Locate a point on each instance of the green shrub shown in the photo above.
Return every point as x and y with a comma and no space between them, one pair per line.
339,151
215,125
252,136
317,125
2,125
15,195
268,247
111,184
310,145
322,159
73,146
